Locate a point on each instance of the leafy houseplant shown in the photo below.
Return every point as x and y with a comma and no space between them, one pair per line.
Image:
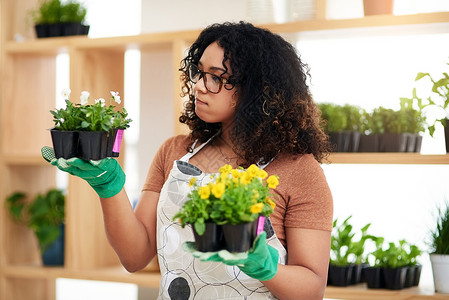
45,216
347,254
437,100
233,197
439,255
55,18
80,126
343,125
394,265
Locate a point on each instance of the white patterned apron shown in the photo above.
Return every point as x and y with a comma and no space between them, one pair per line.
183,276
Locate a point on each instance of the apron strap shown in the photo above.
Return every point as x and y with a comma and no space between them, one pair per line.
189,155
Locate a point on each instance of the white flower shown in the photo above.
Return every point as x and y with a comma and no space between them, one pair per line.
116,97
66,93
101,100
84,97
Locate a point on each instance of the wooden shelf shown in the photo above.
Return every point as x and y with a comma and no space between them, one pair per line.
115,274
24,160
361,292
388,158
150,40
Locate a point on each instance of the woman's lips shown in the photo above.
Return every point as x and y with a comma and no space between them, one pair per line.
199,102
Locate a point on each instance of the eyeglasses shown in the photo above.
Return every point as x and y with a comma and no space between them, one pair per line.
212,82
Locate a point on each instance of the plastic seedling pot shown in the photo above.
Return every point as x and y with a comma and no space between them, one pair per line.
211,240
93,145
240,237
65,143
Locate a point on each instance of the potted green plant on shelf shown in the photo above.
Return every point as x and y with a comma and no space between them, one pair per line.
393,267
232,207
439,253
45,215
437,99
371,128
55,18
89,131
347,254
335,122
414,122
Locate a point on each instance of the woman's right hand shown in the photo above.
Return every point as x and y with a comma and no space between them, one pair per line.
105,176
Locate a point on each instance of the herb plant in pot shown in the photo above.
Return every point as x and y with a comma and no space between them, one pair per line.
371,128
45,215
436,100
236,203
335,124
91,132
439,255
395,265
55,18
347,254
374,275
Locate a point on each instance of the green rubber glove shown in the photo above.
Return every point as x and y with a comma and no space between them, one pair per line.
260,263
105,176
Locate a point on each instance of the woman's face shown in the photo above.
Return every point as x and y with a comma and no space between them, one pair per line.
209,107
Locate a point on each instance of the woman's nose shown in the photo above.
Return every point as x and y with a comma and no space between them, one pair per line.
200,85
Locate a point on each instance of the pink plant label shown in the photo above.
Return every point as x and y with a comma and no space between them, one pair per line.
118,141
260,224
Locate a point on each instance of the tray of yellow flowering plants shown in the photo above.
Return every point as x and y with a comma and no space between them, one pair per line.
229,211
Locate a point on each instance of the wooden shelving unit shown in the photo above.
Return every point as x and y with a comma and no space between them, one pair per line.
27,88
389,158
361,292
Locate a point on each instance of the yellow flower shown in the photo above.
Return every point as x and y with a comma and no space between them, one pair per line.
192,181
253,171
245,178
271,203
272,182
223,177
218,189
225,169
235,173
256,208
263,174
204,192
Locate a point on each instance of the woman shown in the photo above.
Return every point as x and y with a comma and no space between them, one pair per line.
248,103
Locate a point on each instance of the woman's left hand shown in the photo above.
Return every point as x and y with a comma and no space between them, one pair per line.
259,263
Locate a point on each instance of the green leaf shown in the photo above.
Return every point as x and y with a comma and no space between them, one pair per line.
421,75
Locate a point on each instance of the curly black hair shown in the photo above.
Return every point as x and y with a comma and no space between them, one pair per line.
275,112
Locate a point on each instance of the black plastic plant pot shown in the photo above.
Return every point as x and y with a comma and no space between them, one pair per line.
41,30
211,240
392,142
111,140
374,278
369,143
71,28
340,275
93,145
409,276
54,255
356,274
395,278
411,142
418,143
85,29
417,277
240,237
65,143
55,29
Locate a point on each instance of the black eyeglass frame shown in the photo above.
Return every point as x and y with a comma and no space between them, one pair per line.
223,81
